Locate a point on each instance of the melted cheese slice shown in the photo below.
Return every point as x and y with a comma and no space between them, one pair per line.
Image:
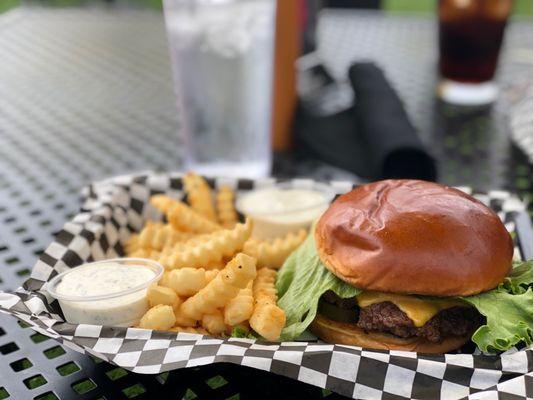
419,310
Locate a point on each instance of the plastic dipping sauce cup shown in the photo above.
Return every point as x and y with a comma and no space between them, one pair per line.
279,209
110,292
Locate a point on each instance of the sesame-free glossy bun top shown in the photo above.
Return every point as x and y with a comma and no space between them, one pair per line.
414,237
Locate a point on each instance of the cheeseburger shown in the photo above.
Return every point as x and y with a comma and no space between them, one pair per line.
415,254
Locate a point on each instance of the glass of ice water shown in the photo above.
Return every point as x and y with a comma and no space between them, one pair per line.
222,60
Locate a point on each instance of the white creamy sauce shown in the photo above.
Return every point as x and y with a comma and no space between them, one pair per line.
279,211
102,279
105,279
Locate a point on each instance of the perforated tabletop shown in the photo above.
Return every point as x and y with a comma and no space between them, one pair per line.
87,94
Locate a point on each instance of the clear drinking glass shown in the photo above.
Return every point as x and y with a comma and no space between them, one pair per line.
470,38
222,60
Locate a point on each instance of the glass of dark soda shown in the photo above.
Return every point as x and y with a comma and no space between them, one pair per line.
470,38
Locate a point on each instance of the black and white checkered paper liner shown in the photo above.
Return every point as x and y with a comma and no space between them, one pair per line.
114,208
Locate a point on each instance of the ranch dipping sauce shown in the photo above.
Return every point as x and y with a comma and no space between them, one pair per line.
281,209
102,279
111,292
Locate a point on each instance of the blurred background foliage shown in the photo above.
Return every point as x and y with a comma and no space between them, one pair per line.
522,7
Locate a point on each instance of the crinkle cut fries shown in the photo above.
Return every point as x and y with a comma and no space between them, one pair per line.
216,276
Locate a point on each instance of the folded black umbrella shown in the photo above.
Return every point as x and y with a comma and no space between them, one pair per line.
372,138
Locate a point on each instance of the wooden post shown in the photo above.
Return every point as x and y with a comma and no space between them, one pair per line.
287,50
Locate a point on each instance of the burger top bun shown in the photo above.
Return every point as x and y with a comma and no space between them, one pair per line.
414,237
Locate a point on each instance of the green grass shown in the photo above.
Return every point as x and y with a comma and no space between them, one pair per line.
21,365
522,183
134,391
23,324
216,382
35,381
47,396
409,5
521,7
96,360
189,395
84,386
38,338
156,4
67,369
116,373
8,4
162,377
24,272
8,348
54,352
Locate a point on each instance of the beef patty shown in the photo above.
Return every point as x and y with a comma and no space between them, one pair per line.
387,317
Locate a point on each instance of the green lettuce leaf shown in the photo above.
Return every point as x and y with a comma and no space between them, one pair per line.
242,332
508,308
519,279
300,283
509,319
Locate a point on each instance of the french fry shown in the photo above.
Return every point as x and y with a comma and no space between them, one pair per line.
164,279
267,319
146,253
200,291
132,244
240,308
227,215
215,265
214,323
272,254
187,281
194,240
158,236
186,329
163,202
147,234
212,249
183,218
155,236
199,195
211,274
182,320
226,285
162,295
160,317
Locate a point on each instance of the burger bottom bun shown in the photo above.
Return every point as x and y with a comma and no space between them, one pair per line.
344,333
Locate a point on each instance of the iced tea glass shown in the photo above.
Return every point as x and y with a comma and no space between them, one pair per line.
470,38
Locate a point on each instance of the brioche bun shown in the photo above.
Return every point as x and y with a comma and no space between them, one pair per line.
414,237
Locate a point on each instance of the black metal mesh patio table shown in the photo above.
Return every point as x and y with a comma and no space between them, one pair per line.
87,93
